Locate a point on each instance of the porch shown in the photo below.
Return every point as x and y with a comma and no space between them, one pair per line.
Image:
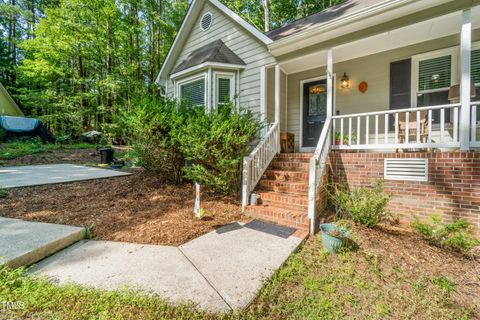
409,88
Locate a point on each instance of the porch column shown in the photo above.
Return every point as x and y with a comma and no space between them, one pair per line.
277,103
329,83
263,95
465,82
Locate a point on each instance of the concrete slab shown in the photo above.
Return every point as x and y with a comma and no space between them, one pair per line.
160,269
23,243
236,260
25,176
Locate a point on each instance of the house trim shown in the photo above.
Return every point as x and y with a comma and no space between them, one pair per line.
302,82
207,65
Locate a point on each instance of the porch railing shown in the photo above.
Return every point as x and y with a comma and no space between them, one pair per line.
317,167
424,127
255,164
475,125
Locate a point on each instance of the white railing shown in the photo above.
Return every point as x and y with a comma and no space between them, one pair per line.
474,125
258,161
424,127
317,167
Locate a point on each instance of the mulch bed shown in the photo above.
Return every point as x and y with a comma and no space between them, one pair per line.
400,247
77,156
140,208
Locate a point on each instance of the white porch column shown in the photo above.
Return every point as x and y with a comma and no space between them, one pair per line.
263,96
330,83
209,90
465,82
277,94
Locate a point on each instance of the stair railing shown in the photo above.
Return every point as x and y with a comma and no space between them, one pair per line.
255,164
317,167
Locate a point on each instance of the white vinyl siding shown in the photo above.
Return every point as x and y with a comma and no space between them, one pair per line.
242,43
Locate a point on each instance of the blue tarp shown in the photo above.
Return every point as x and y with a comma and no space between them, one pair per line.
18,124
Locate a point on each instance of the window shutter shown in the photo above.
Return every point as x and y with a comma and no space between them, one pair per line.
476,66
435,73
223,90
194,92
400,83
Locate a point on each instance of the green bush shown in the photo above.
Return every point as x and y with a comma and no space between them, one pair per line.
3,193
365,205
167,135
215,143
456,235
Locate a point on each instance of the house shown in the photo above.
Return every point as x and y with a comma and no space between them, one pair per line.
366,90
8,107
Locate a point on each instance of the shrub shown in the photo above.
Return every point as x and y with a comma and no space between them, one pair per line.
214,144
3,193
363,205
456,235
168,134
150,125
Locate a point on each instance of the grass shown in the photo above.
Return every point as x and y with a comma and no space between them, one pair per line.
15,149
311,285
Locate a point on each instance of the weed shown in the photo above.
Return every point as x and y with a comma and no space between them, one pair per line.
89,231
364,205
3,193
456,235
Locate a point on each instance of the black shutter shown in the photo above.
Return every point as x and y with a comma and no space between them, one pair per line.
400,84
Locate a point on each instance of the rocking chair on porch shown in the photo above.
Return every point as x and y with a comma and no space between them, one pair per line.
412,127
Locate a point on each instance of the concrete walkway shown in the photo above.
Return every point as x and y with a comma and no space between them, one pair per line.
23,243
26,176
220,271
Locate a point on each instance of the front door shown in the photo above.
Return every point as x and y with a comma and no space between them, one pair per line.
314,111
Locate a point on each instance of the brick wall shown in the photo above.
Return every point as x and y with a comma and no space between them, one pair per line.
452,190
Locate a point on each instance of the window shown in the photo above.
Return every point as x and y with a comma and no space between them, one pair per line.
193,91
434,74
476,72
224,87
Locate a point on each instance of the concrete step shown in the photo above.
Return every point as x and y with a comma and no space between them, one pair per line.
286,175
281,216
23,243
284,200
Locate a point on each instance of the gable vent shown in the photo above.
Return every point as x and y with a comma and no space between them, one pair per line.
206,21
406,169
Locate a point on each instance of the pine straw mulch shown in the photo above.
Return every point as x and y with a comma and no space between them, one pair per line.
140,208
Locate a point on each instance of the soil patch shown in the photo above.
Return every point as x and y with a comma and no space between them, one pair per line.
77,156
141,208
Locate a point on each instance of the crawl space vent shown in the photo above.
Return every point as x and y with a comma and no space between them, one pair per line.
406,169
206,21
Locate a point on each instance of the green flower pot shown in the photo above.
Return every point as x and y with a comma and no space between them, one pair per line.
332,243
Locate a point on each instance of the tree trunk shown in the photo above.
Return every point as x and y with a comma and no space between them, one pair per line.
266,10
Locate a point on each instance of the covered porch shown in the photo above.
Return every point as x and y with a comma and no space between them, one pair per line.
397,89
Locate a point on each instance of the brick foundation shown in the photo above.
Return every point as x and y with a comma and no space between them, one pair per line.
452,190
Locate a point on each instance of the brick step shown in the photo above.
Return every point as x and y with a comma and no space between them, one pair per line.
289,156
286,175
284,200
284,186
290,165
285,217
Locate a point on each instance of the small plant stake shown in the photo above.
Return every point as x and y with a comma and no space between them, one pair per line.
197,209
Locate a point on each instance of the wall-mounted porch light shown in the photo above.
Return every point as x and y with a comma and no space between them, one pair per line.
345,81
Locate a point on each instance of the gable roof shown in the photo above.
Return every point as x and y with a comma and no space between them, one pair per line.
346,8
215,51
192,14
